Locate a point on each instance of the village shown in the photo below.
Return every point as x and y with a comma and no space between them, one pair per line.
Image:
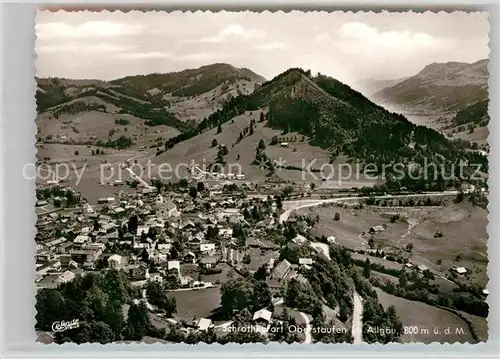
225,258
186,238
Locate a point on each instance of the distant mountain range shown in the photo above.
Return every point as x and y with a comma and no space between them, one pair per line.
439,88
330,114
192,94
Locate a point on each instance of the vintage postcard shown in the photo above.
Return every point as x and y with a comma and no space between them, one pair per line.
247,177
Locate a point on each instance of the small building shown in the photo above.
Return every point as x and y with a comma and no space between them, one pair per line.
203,324
65,247
174,265
65,277
460,270
305,261
226,233
141,230
281,270
137,271
81,239
114,261
299,239
106,200
376,229
331,240
422,268
207,247
55,242
209,261
164,247
166,209
186,281
262,317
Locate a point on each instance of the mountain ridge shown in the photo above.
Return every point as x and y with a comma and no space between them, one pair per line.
155,87
438,88
339,119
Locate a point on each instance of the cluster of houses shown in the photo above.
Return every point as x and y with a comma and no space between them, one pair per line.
172,242
89,238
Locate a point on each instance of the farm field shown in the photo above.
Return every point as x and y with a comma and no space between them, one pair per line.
464,232
90,184
479,325
480,135
98,125
352,224
463,226
424,316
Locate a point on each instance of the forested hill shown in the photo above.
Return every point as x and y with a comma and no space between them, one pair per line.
190,82
155,90
439,88
336,117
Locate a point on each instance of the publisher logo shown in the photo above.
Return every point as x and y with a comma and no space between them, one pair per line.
65,325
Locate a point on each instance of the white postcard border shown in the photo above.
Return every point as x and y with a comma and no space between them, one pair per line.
17,247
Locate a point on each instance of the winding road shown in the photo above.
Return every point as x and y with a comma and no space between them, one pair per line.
357,319
294,205
308,339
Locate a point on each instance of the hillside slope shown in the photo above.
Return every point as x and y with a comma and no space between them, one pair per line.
189,94
438,88
337,119
471,124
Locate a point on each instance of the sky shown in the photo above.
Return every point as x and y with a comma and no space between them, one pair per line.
348,46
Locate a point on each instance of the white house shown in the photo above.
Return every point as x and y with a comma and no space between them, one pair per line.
207,247
81,239
65,277
262,316
422,268
299,239
166,209
140,230
114,261
204,324
173,265
331,239
305,261
460,270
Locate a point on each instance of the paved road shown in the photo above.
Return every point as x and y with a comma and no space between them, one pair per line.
357,319
307,203
307,332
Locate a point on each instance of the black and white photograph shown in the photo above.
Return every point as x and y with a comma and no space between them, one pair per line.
256,177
